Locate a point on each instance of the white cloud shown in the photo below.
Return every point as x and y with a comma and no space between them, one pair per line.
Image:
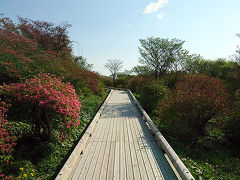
160,16
154,6
129,25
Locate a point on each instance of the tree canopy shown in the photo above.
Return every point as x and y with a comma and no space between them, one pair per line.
161,55
236,56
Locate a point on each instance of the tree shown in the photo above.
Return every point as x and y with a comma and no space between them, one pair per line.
141,70
160,54
236,57
114,66
82,62
48,35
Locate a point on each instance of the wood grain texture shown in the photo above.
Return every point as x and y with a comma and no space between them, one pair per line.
122,146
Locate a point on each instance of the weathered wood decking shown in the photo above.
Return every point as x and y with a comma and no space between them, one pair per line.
122,146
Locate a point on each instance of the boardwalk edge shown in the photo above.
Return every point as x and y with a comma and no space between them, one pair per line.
69,167
182,170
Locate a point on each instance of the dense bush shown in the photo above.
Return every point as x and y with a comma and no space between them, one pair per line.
232,124
195,100
170,80
33,47
49,104
16,52
151,94
7,139
135,83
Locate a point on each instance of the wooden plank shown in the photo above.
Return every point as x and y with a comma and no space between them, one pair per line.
122,146
140,160
112,151
104,168
164,168
158,155
71,164
100,145
129,163
82,164
176,161
147,143
123,175
86,158
100,162
132,141
142,144
116,170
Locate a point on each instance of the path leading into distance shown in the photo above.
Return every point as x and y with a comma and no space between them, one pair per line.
122,146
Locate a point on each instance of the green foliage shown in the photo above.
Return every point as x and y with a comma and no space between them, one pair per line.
213,163
220,68
32,47
232,124
136,83
123,80
228,71
82,62
151,94
236,56
195,100
46,158
141,70
162,55
107,81
170,80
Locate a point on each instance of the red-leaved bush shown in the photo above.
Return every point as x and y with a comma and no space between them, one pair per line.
195,100
7,139
31,47
19,55
52,104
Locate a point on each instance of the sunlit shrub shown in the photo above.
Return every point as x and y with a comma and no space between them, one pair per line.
19,55
31,47
49,104
151,94
195,100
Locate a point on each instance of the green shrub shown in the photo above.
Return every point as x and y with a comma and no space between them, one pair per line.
136,83
232,125
195,100
151,94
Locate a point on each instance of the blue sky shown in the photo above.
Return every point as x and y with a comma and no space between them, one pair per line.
110,29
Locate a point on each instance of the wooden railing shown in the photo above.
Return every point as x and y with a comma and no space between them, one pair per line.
70,166
162,142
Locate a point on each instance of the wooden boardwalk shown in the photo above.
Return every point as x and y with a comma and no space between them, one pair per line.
122,146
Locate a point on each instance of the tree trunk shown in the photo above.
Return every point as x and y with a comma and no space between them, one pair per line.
114,80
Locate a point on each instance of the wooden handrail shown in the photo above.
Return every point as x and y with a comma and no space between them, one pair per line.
176,161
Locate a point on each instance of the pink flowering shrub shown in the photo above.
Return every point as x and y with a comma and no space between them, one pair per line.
51,103
7,140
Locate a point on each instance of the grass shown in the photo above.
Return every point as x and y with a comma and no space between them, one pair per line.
220,162
35,160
